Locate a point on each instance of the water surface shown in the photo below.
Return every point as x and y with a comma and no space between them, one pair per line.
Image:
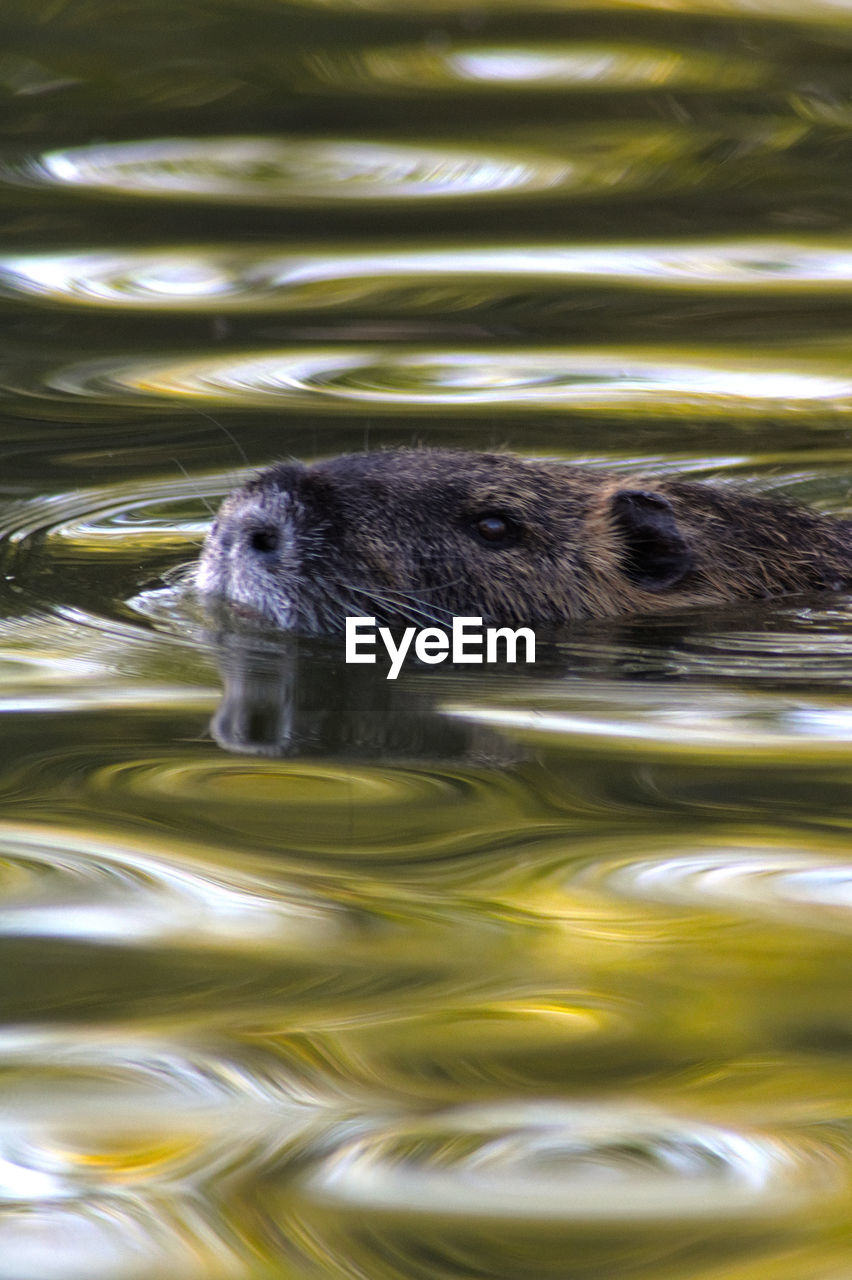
538,972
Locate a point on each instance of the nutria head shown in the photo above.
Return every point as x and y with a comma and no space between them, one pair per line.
417,536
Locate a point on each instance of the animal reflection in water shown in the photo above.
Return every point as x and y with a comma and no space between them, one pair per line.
292,696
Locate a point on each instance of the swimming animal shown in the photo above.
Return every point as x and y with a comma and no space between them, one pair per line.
417,536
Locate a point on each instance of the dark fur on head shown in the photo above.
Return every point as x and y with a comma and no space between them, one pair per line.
417,536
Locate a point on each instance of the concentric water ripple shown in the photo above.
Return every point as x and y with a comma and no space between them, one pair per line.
116,1237
574,1165
48,548
56,658
413,278
109,1143
69,660
292,172
65,884
712,383
424,816
113,1113
125,925
127,517
632,720
90,888
576,66
787,643
566,1189
798,886
133,1076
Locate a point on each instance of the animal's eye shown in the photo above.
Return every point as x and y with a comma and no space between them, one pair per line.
264,540
495,529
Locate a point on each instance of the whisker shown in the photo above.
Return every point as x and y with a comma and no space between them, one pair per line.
184,472
225,431
439,586
393,606
390,594
404,604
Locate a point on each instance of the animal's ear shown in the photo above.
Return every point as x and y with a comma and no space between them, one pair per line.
655,553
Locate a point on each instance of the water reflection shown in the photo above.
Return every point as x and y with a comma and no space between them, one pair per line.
289,172
710,384
126,928
292,172
417,278
534,974
656,723
778,10
562,1164
106,1143
821,11
795,886
276,702
573,66
572,1190
84,886
114,1238
67,660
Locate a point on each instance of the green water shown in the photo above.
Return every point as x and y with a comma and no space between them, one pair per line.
520,973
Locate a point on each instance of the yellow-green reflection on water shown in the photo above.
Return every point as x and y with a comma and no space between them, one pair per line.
532,973
417,277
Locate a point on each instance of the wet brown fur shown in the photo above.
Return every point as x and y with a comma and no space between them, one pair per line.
393,535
